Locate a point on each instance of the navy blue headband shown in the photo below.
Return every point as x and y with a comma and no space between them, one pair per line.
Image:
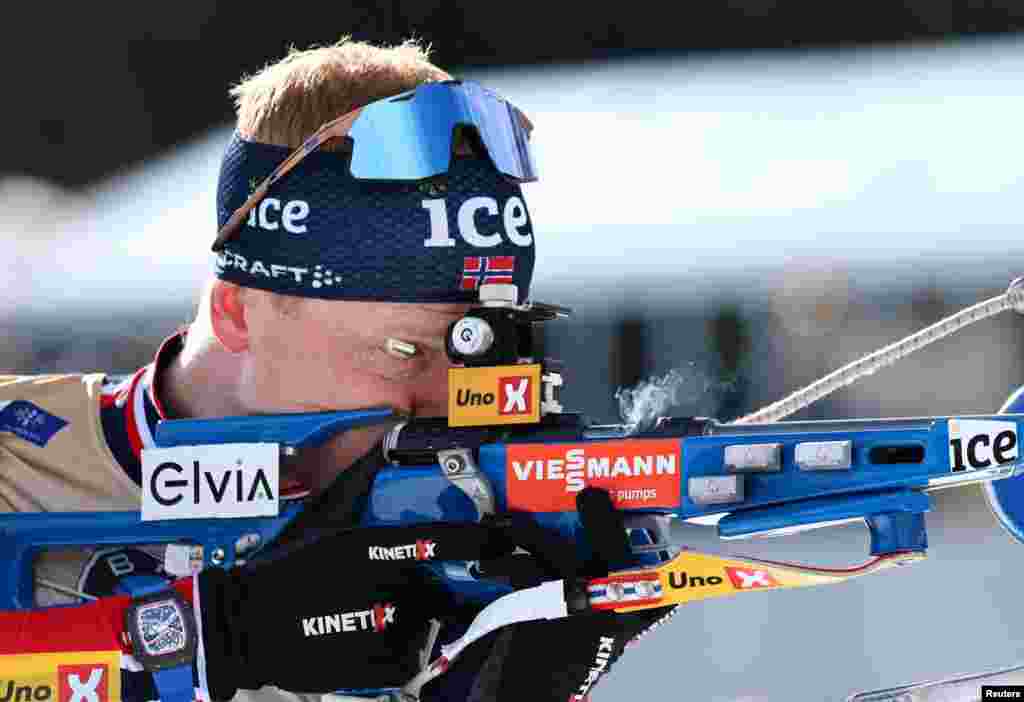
322,233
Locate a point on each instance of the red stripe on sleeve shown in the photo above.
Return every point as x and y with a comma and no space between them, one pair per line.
129,409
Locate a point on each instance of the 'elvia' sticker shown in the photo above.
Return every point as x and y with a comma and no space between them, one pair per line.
217,481
30,422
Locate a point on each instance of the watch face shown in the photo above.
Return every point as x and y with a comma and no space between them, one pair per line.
161,626
162,630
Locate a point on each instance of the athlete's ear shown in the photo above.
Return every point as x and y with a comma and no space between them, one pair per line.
228,316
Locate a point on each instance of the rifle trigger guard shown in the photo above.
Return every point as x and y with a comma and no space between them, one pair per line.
459,466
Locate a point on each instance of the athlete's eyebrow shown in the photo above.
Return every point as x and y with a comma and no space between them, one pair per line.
431,327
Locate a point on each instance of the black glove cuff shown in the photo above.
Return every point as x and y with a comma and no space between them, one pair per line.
217,600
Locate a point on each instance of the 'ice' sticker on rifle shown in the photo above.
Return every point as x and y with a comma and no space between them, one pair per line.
975,444
204,482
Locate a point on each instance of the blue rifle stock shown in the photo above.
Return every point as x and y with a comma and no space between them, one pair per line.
764,478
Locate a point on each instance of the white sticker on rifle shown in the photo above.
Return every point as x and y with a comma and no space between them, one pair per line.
977,443
223,481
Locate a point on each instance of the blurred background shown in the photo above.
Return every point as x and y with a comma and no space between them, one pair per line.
781,186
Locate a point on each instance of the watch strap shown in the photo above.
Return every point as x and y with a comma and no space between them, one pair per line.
174,683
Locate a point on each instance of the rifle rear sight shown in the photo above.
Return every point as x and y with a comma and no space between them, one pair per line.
499,333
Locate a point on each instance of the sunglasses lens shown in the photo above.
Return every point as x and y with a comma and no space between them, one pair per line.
409,137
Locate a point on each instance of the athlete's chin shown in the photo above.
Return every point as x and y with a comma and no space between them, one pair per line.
432,410
317,468
403,405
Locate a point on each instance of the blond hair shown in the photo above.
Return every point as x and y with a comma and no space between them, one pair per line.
287,101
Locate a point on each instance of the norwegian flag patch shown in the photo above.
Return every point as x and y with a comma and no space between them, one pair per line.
478,270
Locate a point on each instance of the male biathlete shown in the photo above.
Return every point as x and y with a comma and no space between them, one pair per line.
340,266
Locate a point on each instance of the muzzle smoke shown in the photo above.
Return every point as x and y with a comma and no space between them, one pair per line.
689,389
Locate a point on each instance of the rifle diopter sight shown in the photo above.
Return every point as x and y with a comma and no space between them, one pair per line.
501,380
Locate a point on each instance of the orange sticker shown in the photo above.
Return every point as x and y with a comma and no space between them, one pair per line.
91,676
493,395
636,473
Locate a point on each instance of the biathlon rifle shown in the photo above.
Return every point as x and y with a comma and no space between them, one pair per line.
507,445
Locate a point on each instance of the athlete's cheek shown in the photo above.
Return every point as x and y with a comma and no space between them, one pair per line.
430,393
291,363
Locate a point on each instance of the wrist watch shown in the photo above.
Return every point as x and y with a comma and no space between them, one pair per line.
162,630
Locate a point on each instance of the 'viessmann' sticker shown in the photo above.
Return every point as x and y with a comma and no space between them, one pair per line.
636,473
975,444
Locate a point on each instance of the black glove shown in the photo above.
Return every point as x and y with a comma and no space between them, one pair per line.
329,614
561,659
332,614
555,660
